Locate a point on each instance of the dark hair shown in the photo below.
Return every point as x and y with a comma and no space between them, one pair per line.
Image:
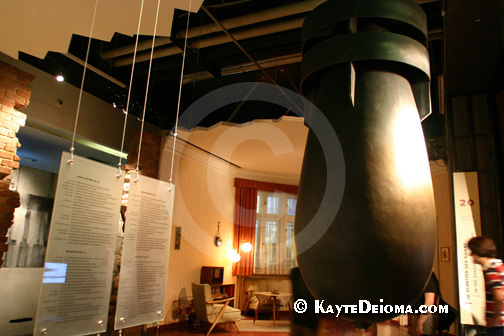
483,246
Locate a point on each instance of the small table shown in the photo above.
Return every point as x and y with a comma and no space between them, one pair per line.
265,296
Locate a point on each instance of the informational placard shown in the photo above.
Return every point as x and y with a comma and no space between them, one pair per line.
75,293
468,224
146,247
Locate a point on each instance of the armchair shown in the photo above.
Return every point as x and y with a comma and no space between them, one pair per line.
213,312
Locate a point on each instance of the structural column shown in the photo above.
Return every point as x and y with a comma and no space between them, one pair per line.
14,95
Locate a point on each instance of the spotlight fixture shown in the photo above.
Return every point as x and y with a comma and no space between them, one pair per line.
59,77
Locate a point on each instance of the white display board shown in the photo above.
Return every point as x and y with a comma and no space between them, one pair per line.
468,224
75,293
146,248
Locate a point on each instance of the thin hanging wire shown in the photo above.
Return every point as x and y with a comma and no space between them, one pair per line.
147,89
175,133
126,112
160,313
71,161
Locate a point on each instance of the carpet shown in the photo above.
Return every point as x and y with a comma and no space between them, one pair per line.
264,325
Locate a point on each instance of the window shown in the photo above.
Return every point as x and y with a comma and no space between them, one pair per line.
275,251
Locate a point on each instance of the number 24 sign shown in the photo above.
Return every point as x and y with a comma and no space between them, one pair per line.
468,202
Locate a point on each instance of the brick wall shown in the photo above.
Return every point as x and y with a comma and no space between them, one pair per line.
149,156
14,95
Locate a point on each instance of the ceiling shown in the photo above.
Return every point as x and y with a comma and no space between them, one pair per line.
275,146
265,32
228,40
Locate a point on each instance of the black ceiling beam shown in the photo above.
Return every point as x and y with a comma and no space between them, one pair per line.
215,71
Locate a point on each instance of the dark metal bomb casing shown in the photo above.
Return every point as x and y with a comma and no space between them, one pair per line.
366,68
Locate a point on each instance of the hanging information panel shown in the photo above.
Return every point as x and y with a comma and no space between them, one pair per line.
468,224
75,293
146,247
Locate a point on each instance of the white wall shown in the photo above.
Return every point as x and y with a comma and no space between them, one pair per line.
97,121
204,196
19,292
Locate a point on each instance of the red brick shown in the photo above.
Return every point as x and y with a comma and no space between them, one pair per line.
5,171
26,88
8,148
18,73
18,121
23,93
7,86
4,132
4,248
17,114
9,140
14,202
19,102
24,76
11,164
4,185
10,126
6,209
5,108
6,155
3,232
9,193
17,158
3,240
5,116
7,102
6,218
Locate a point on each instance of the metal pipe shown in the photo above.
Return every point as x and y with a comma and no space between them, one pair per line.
269,63
95,70
215,40
236,22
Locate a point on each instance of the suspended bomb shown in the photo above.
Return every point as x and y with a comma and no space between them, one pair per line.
365,219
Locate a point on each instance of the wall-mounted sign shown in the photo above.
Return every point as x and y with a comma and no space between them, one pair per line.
468,225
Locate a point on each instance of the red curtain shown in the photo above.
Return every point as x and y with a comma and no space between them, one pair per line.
245,218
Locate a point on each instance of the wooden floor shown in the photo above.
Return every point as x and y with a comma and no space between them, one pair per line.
328,327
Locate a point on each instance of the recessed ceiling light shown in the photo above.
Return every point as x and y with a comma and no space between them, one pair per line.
27,159
60,78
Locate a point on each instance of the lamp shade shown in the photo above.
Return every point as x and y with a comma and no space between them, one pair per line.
234,256
246,247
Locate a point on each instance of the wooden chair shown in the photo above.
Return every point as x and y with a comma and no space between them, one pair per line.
258,306
213,311
249,299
